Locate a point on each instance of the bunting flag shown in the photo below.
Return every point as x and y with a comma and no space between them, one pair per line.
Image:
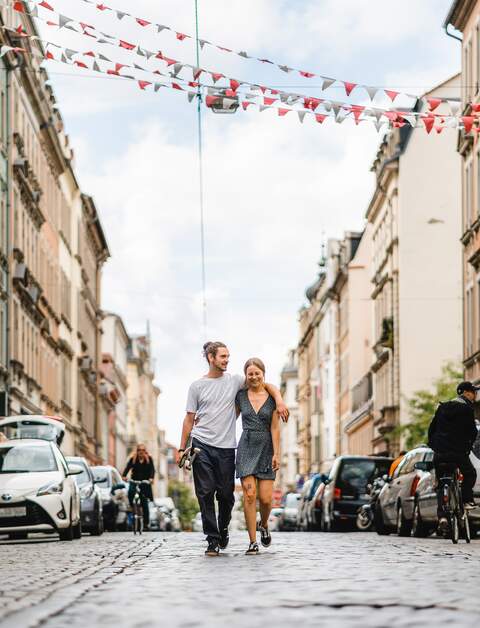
235,84
339,111
327,82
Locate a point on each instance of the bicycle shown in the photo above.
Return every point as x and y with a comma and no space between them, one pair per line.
137,506
453,506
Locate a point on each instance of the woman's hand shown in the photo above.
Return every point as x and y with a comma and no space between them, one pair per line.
275,463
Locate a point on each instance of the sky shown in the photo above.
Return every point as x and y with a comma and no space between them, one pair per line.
274,188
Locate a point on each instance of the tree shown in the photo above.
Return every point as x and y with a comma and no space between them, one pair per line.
423,404
185,502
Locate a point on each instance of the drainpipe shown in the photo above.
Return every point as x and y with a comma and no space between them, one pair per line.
452,35
8,204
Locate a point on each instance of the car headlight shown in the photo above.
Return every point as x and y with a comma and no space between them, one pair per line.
86,491
54,488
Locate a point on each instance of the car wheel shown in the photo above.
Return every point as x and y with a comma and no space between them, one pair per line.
97,530
66,534
404,527
18,536
419,529
380,526
77,530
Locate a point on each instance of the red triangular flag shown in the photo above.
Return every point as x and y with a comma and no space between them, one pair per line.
85,26
102,7
197,73
177,86
319,117
268,101
468,123
48,55
391,94
81,64
357,111
234,84
143,22
246,104
306,74
433,103
45,5
349,87
126,45
192,84
211,100
19,6
475,107
143,84
216,76
169,61
428,121
181,36
438,128
283,112
90,53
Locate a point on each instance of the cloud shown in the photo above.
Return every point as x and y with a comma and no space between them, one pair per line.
273,187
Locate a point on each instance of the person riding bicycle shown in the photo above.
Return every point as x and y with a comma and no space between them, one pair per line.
141,466
451,435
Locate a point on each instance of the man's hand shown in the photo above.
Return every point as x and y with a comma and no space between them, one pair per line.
179,455
283,412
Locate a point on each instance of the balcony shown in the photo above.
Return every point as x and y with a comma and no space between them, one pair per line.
362,392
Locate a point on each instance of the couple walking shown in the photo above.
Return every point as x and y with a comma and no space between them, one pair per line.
213,405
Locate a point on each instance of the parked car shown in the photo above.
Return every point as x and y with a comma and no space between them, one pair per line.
424,519
30,426
313,506
197,523
274,519
346,488
287,519
90,497
394,509
172,520
157,517
113,490
38,492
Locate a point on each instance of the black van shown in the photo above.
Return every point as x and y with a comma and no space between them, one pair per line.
346,487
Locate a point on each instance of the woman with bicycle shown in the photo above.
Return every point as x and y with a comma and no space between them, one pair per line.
140,465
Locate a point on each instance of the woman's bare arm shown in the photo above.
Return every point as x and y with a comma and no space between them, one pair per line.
275,431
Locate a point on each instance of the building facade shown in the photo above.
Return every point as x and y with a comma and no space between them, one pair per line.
464,15
142,396
416,292
289,471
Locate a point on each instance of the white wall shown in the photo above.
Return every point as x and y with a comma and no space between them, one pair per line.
430,257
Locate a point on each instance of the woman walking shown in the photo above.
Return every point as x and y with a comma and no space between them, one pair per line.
258,451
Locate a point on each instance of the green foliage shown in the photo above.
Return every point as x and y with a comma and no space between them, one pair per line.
424,403
185,502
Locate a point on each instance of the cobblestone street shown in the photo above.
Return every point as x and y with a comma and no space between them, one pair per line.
311,579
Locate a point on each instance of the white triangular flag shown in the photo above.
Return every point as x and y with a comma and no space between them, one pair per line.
301,115
191,96
327,82
454,106
371,91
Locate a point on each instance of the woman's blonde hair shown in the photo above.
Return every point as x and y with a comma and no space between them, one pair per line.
134,455
254,362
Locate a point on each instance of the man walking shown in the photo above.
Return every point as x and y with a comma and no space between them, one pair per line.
451,435
210,420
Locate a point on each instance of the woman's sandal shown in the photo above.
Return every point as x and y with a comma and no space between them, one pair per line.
252,549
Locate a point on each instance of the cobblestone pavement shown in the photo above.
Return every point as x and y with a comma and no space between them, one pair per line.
313,579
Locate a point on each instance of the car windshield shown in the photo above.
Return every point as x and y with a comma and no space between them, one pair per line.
101,477
356,474
24,459
291,500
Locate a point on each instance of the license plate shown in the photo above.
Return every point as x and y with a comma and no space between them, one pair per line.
19,511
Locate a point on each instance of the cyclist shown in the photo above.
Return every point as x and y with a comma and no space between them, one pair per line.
451,435
141,466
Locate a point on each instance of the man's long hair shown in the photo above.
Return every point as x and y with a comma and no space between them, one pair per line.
211,348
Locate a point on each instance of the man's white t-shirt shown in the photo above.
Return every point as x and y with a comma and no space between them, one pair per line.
212,399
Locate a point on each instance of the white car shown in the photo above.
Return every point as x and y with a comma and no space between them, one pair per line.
37,490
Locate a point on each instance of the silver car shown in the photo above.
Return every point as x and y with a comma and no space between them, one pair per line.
394,509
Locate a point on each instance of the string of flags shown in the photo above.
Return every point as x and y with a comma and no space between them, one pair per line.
244,93
326,81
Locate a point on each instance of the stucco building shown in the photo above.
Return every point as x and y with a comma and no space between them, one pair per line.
289,458
416,291
464,16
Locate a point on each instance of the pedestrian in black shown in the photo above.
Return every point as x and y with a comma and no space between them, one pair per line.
141,466
451,435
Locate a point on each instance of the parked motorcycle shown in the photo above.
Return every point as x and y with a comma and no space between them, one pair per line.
365,515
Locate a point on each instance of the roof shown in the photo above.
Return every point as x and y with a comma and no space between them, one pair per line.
38,442
459,13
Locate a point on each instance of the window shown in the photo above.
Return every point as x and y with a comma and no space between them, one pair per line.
66,370
469,322
468,194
